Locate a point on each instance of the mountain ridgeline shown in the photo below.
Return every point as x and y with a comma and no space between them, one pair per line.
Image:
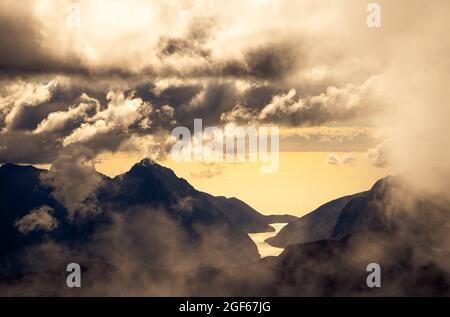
153,234
341,217
215,226
327,251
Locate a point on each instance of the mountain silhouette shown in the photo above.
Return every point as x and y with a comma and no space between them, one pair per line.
157,235
315,226
401,229
146,187
337,218
218,224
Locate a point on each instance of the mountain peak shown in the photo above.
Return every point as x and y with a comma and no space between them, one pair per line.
151,165
148,162
149,168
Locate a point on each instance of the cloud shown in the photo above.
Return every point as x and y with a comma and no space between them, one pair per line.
378,156
74,181
239,114
348,160
67,115
315,64
329,138
192,43
334,159
185,204
62,120
21,147
24,45
15,96
155,146
196,63
272,60
43,45
121,114
115,116
335,104
212,171
135,241
38,219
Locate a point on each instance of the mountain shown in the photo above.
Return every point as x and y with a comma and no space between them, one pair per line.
370,211
339,267
339,217
281,218
157,235
150,224
241,214
317,225
360,212
245,217
147,206
403,230
177,190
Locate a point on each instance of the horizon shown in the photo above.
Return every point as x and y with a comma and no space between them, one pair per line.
110,167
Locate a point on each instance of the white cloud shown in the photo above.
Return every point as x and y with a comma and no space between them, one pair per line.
16,95
38,219
334,159
58,121
121,113
378,155
74,181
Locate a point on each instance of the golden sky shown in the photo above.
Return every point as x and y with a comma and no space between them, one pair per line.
303,182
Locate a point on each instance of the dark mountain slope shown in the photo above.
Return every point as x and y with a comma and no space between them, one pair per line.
185,217
405,231
366,211
317,225
241,214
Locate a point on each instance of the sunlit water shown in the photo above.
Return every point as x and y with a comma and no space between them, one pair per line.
265,249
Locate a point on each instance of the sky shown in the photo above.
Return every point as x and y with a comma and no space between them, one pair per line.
103,84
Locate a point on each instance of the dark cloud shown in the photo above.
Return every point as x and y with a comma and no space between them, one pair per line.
192,44
20,39
335,104
271,61
104,119
274,60
214,98
27,51
206,99
175,74
23,147
28,118
24,44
